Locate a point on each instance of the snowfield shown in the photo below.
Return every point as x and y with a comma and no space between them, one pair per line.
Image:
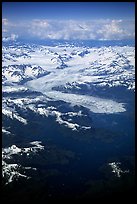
48,68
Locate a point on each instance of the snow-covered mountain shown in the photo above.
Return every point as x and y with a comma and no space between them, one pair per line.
55,70
64,84
21,73
104,66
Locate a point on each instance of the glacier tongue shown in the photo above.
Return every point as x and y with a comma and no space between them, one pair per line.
94,104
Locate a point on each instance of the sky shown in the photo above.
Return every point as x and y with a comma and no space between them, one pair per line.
68,20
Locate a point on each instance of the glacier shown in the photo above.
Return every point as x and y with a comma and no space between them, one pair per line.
53,93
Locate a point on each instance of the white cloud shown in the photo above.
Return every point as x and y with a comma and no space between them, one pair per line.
13,37
5,21
5,30
40,23
99,29
105,29
110,30
7,27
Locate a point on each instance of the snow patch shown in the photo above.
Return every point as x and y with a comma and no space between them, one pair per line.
12,171
116,168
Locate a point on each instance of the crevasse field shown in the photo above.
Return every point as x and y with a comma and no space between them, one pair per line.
67,120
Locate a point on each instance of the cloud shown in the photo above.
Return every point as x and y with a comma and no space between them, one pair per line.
5,22
97,29
13,37
7,27
40,23
5,30
102,29
115,30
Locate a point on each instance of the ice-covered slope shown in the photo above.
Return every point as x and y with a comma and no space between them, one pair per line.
55,70
11,171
